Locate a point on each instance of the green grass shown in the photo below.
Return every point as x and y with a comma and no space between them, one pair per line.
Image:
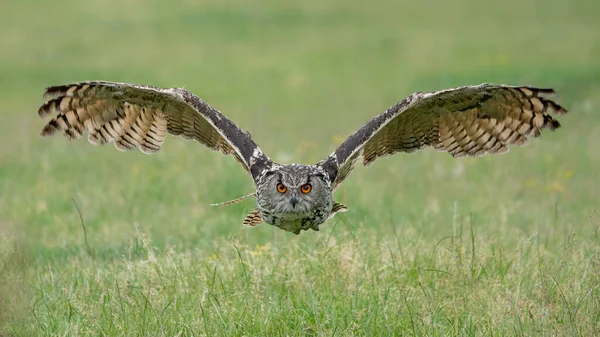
432,246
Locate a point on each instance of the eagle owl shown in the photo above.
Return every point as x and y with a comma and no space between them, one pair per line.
464,121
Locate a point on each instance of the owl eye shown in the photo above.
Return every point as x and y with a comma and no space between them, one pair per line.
306,188
281,188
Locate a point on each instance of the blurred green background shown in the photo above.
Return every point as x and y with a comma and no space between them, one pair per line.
300,77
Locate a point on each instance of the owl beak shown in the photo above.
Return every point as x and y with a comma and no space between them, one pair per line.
293,200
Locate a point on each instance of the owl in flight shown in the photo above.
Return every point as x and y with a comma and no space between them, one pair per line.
464,121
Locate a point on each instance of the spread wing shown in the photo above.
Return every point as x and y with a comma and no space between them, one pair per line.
464,121
134,116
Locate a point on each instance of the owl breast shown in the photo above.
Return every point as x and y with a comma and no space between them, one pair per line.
296,222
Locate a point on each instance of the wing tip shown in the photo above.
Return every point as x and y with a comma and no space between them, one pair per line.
52,91
559,109
532,91
45,110
71,89
55,91
545,91
552,124
48,130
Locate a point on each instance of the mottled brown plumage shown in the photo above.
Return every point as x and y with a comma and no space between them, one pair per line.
465,121
135,116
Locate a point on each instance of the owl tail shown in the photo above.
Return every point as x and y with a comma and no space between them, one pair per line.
234,201
253,219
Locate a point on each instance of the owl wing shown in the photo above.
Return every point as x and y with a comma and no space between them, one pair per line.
464,121
134,116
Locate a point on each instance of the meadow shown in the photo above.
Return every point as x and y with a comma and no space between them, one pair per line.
98,242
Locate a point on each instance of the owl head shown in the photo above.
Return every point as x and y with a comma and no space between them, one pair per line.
294,189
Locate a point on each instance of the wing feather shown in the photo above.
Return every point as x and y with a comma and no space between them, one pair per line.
135,116
464,121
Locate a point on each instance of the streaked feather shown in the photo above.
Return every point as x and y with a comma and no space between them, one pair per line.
253,218
465,121
135,116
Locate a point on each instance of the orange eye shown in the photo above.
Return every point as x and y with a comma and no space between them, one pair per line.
281,188
306,188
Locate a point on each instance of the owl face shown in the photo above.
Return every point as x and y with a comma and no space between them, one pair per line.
294,191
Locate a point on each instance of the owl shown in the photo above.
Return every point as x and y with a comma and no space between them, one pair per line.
464,121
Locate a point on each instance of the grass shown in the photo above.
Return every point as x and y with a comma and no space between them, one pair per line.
432,246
